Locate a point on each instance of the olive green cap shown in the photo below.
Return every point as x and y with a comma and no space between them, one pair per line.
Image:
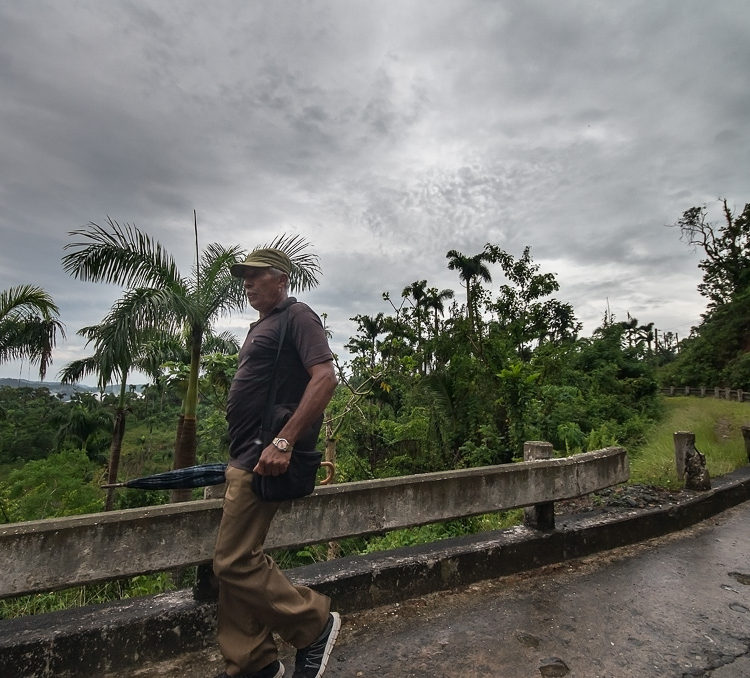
263,258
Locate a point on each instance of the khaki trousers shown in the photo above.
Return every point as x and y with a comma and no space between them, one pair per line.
255,598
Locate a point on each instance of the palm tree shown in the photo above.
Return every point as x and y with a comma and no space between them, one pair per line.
365,343
159,298
646,333
86,417
629,328
29,323
417,290
116,351
470,270
435,301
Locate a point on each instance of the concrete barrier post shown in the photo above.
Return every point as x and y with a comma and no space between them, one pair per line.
717,394
683,440
746,436
539,516
690,463
703,391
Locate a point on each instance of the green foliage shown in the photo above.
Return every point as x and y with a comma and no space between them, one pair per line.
213,439
429,387
218,370
517,391
489,450
88,425
595,392
717,354
523,311
572,437
143,585
62,484
425,534
30,422
474,389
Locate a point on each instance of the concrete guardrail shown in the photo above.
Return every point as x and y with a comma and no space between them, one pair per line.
46,555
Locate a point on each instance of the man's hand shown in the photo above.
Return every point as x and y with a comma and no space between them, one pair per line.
318,392
272,462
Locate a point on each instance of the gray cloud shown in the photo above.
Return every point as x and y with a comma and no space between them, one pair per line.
386,133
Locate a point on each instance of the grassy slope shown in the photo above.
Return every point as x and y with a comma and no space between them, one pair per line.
717,428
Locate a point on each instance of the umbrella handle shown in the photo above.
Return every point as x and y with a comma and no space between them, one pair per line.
111,485
330,472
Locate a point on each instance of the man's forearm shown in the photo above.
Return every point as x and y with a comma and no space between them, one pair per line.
313,403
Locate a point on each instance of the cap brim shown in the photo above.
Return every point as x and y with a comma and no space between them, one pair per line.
239,270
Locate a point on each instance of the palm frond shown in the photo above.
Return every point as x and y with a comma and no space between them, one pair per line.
118,254
216,260
74,371
225,343
147,309
29,325
27,300
305,265
29,337
220,292
438,387
159,349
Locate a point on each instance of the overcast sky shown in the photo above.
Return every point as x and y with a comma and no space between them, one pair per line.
386,133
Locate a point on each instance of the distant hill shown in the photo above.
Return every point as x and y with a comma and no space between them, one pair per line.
55,387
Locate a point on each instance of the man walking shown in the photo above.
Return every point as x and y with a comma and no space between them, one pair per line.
255,598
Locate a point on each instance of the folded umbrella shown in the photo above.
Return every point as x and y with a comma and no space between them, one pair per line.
195,476
179,478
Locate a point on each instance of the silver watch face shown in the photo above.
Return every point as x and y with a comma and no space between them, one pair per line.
281,443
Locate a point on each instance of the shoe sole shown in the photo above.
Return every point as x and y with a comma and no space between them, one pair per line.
332,636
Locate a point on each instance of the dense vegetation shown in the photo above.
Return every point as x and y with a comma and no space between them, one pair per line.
436,379
717,353
428,388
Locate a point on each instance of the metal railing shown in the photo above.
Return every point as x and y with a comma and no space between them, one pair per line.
701,391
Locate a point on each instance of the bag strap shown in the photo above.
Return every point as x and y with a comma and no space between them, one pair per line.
271,398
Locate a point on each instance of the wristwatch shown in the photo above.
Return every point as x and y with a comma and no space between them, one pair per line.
282,444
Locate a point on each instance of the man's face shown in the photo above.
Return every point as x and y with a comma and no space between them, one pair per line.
264,289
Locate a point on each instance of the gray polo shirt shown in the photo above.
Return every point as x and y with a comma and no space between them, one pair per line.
305,345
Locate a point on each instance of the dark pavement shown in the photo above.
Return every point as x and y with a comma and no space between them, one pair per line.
670,607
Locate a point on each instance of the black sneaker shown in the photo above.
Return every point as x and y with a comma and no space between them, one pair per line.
273,670
312,660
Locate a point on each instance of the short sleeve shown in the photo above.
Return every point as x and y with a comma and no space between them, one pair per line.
308,334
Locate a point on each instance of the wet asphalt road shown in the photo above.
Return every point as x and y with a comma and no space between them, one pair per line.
671,607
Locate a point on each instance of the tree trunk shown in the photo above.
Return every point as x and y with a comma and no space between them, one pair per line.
185,455
114,456
178,435
187,444
118,433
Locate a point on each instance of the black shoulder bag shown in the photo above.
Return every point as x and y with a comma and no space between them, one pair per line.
299,478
